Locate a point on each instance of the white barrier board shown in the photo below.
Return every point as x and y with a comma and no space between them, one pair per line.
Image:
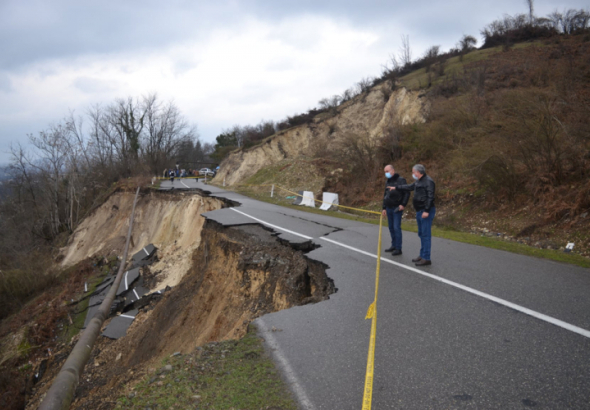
308,199
329,199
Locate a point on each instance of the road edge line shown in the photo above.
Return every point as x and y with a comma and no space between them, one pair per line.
288,371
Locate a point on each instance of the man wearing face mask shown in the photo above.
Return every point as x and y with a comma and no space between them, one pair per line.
423,202
394,203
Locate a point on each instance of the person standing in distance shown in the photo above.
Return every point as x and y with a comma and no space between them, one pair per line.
394,203
423,202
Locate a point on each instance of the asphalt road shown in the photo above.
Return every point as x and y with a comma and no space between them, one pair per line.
504,331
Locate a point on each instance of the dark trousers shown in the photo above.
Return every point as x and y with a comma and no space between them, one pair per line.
424,232
394,219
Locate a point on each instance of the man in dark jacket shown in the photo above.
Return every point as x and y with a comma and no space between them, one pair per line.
394,203
423,202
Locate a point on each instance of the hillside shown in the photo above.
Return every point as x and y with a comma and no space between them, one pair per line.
370,114
503,131
216,278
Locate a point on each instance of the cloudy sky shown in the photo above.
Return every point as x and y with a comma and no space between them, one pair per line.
222,62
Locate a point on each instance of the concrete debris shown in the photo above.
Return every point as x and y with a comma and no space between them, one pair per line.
128,278
134,295
145,253
118,326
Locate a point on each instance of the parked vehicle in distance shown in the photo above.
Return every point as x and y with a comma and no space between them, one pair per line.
206,171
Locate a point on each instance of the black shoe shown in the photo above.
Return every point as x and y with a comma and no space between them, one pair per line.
396,252
418,259
423,262
390,249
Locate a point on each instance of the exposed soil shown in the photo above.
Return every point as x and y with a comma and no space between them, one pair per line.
171,221
235,275
367,114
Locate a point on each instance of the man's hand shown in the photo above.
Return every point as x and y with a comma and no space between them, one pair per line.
401,208
384,213
424,215
391,188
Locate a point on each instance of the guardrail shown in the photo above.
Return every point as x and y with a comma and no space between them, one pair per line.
61,393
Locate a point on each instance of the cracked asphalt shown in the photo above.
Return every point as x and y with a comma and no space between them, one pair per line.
438,346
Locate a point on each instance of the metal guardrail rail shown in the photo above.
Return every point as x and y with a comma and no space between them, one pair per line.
61,393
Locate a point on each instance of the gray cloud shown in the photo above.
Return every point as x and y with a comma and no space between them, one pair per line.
5,83
93,85
40,40
37,30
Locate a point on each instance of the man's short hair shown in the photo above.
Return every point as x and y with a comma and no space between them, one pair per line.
420,168
389,165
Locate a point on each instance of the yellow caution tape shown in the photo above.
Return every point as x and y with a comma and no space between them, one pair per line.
371,311
372,314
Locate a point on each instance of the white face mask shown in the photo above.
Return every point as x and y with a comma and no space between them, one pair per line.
415,177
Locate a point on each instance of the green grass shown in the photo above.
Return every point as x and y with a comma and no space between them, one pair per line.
235,374
418,79
440,232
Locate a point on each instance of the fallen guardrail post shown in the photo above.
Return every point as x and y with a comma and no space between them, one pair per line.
61,393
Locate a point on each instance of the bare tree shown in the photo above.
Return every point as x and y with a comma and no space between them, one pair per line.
364,84
574,21
165,130
465,45
531,6
391,69
208,148
432,52
125,122
330,103
555,18
405,52
430,56
347,95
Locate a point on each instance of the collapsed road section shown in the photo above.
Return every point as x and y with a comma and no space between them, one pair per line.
231,276
130,292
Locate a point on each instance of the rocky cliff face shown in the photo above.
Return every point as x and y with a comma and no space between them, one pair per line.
371,113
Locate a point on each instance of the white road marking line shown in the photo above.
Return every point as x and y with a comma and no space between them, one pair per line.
271,225
184,184
522,309
136,295
127,316
126,285
289,372
503,302
146,252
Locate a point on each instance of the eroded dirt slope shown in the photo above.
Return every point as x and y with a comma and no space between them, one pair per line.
235,275
368,114
171,221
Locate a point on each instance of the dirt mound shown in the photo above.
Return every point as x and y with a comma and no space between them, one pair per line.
235,275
